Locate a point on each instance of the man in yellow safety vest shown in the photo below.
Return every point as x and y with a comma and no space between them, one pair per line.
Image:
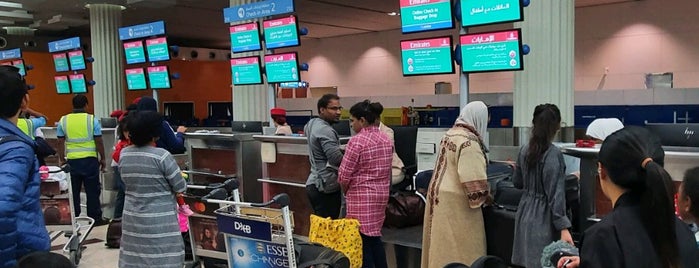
30,125
80,137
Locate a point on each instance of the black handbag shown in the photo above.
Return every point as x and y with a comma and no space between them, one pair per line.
405,209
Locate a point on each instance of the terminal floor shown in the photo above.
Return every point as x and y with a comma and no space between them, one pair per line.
96,255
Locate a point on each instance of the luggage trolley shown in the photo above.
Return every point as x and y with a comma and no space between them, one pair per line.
257,236
205,241
59,216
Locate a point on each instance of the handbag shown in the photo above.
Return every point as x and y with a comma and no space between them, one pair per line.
404,209
340,235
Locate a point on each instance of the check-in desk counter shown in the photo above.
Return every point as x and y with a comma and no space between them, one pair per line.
285,170
228,153
426,146
593,204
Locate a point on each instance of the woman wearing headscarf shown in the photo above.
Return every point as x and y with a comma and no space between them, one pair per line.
171,141
600,128
453,230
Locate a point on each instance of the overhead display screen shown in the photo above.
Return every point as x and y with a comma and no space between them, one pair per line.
60,62
77,60
158,77
281,33
427,56
282,68
157,49
245,37
425,15
135,79
246,71
20,65
493,51
134,52
482,12
62,84
77,83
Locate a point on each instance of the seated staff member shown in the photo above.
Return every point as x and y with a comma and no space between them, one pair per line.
279,118
643,230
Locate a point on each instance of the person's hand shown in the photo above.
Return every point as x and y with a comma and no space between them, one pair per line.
181,129
572,262
103,165
565,236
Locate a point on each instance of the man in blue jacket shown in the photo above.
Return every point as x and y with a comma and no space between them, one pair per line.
22,228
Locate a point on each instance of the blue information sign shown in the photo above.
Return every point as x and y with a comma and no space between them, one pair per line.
257,10
10,54
142,30
244,227
65,44
247,253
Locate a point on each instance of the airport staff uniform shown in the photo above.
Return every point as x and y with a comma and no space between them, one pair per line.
79,130
30,125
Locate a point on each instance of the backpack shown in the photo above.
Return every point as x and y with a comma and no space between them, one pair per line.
114,234
317,256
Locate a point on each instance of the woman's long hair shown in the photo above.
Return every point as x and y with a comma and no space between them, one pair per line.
546,121
625,155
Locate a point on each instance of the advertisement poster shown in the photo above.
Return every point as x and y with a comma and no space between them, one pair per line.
206,234
248,253
56,211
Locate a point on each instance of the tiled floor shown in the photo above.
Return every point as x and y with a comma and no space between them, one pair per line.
96,255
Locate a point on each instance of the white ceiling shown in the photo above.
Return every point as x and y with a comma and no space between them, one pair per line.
199,23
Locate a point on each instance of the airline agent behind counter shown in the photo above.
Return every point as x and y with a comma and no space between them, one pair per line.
279,118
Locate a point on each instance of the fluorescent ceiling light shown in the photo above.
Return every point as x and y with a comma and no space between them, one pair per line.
10,4
7,22
393,13
18,14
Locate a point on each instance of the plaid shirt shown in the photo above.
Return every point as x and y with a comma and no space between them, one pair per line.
365,175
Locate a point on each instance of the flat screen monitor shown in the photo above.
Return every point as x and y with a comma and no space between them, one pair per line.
77,60
159,77
62,84
135,79
178,112
157,49
60,62
134,52
77,83
246,126
282,68
220,110
483,12
245,37
280,33
429,15
427,56
684,135
246,71
492,51
20,65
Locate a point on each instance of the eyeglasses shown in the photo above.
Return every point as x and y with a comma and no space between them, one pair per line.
335,108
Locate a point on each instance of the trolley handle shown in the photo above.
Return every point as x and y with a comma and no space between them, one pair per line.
229,185
216,196
64,168
281,199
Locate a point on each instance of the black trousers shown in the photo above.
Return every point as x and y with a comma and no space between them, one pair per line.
374,255
324,205
86,171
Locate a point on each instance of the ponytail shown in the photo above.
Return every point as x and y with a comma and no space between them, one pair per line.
546,122
658,215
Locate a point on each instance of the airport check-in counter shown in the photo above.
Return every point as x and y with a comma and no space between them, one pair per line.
593,203
228,153
427,146
285,169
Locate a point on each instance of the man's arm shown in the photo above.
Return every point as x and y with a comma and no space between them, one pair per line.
61,150
36,114
330,145
100,150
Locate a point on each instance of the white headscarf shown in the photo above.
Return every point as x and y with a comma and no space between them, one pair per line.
475,114
602,127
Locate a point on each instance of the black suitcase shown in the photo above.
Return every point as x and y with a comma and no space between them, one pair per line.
499,231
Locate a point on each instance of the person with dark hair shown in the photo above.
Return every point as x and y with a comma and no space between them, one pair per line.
151,233
397,174
22,228
43,259
325,157
207,239
279,118
365,178
541,216
453,229
688,199
642,230
171,141
80,138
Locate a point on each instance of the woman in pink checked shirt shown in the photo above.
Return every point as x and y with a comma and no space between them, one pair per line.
365,176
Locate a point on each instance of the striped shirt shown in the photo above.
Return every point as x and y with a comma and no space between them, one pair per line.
150,231
365,174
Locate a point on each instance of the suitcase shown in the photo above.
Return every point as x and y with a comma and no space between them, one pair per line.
499,231
114,234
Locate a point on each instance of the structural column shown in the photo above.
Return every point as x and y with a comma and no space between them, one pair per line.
107,70
252,102
548,28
